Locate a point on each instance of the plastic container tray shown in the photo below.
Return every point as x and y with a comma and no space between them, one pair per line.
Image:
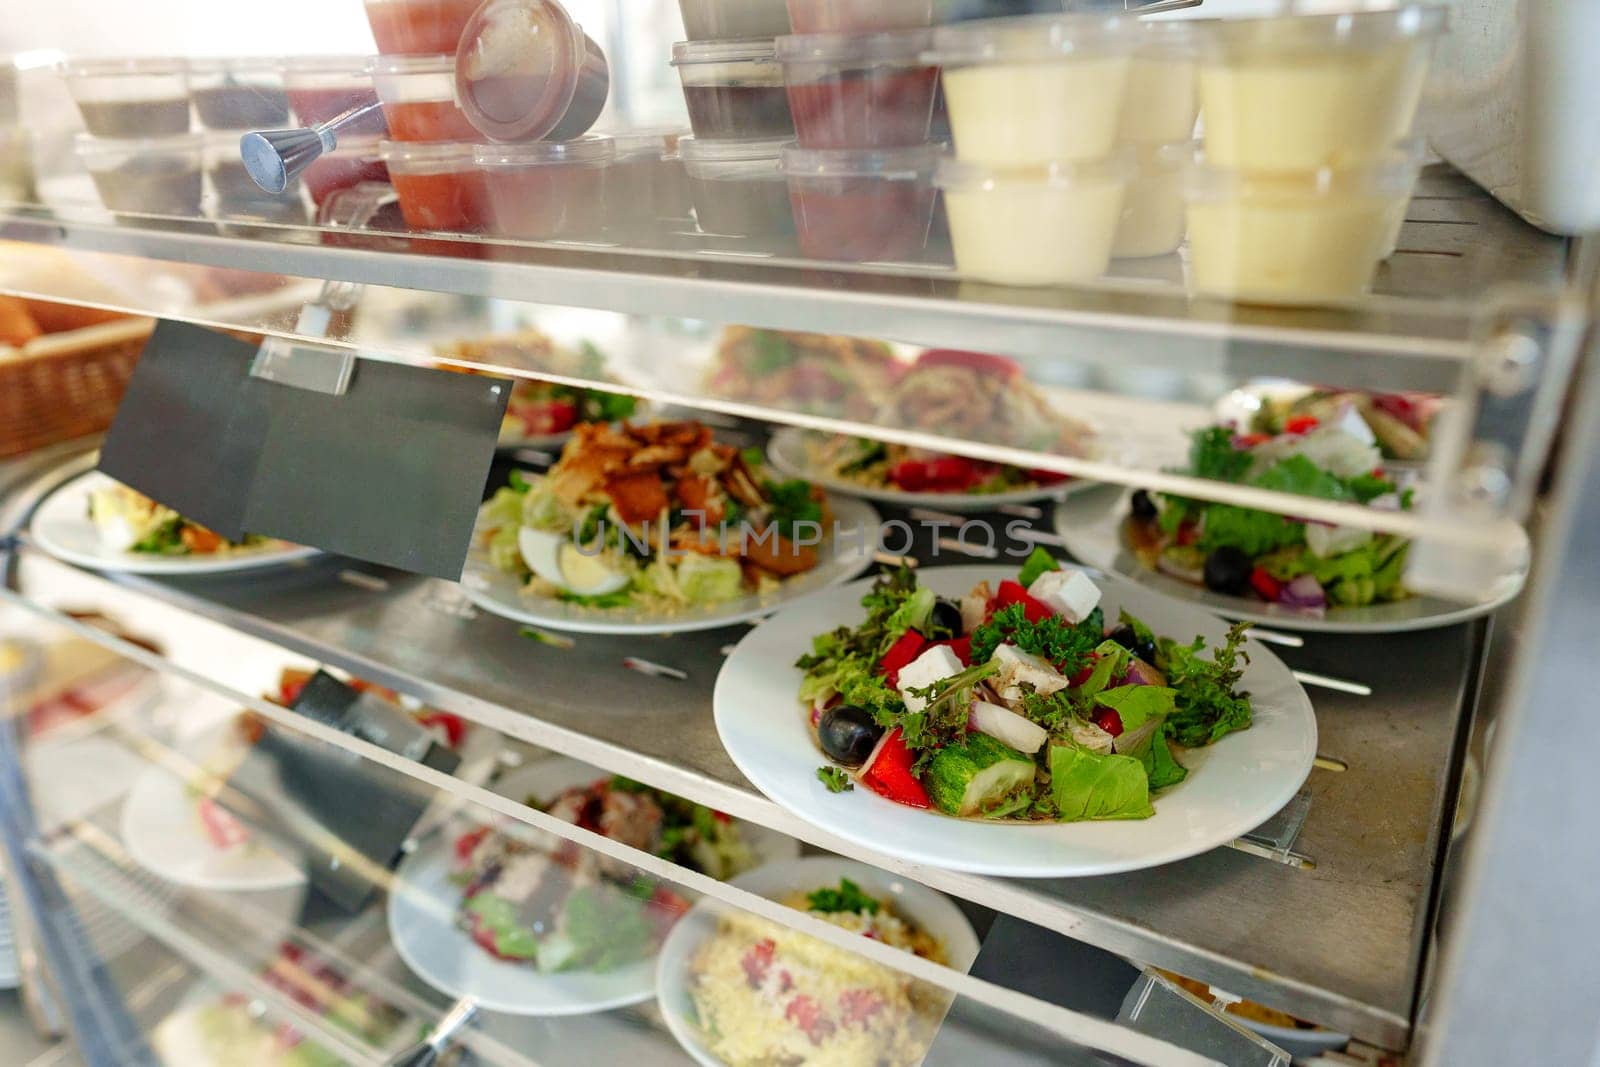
733,89
1050,225
418,27
150,176
1037,89
738,189
862,204
239,94
1299,239
720,20
322,87
547,190
1300,92
859,90
858,16
645,191
130,98
419,98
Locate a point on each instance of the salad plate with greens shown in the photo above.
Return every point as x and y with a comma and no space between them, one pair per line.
1270,568
658,528
1034,722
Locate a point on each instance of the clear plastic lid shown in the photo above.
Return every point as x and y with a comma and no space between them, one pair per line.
445,63
1356,27
1171,38
99,67
406,79
437,156
522,65
648,143
980,177
734,50
917,161
592,149
236,66
904,46
735,150
89,146
1029,38
355,65
357,146
1391,174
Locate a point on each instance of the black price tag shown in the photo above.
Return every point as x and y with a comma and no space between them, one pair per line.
390,470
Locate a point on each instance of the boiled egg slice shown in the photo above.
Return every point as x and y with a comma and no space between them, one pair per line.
557,560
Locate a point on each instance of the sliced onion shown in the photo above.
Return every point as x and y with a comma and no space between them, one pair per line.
1141,673
1007,727
1129,740
1304,593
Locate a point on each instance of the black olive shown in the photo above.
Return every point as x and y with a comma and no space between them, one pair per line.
1227,570
946,615
848,734
1143,506
1128,639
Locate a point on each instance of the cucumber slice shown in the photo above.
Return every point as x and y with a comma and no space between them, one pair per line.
980,772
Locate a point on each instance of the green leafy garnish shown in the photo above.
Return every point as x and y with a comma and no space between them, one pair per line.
1065,644
519,481
1038,562
835,779
1206,705
620,599
771,352
847,898
1212,455
791,503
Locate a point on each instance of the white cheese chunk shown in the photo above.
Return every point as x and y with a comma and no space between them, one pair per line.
1018,669
1326,541
1068,593
934,665
1352,424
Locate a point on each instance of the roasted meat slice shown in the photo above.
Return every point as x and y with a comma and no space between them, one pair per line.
637,498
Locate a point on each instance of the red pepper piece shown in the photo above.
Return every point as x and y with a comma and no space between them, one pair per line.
910,475
1011,592
1250,440
468,843
1300,424
1188,533
453,726
961,646
902,652
553,416
1109,721
890,774
1044,477
1265,584
1084,674
950,472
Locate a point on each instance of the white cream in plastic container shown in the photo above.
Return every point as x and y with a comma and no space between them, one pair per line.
1035,89
1299,92
1293,238
1162,99
1152,222
1050,225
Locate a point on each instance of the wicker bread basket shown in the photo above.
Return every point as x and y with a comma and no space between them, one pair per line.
66,385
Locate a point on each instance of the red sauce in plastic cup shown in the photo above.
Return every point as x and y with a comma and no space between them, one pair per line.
547,190
859,91
417,27
439,185
418,95
525,71
856,205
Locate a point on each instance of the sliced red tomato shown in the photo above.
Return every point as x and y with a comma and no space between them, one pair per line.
890,774
1109,721
1250,440
552,416
1084,674
1188,533
468,843
902,652
951,472
1044,477
1300,424
1011,592
983,362
1265,584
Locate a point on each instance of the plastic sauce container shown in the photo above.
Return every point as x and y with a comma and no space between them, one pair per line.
355,160
439,185
1299,92
238,94
862,204
1292,238
1162,100
1050,225
130,98
526,71
1152,222
151,176
859,16
645,190
859,90
738,188
1036,89
323,87
418,27
733,89
419,98
721,20
547,190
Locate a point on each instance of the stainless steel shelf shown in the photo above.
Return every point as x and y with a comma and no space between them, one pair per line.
1458,248
1340,943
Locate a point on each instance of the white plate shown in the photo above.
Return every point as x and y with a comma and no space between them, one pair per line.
930,910
786,451
1091,530
502,594
62,528
422,912
1239,406
1233,786
160,827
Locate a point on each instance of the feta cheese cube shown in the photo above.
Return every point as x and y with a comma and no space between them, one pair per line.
1326,541
1068,593
934,665
1019,669
1351,424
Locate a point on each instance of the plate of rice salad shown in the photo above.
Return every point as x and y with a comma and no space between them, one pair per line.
737,990
95,521
657,527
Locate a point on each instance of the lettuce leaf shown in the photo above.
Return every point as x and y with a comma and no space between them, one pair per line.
1089,786
1111,659
1252,532
1137,704
1038,562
